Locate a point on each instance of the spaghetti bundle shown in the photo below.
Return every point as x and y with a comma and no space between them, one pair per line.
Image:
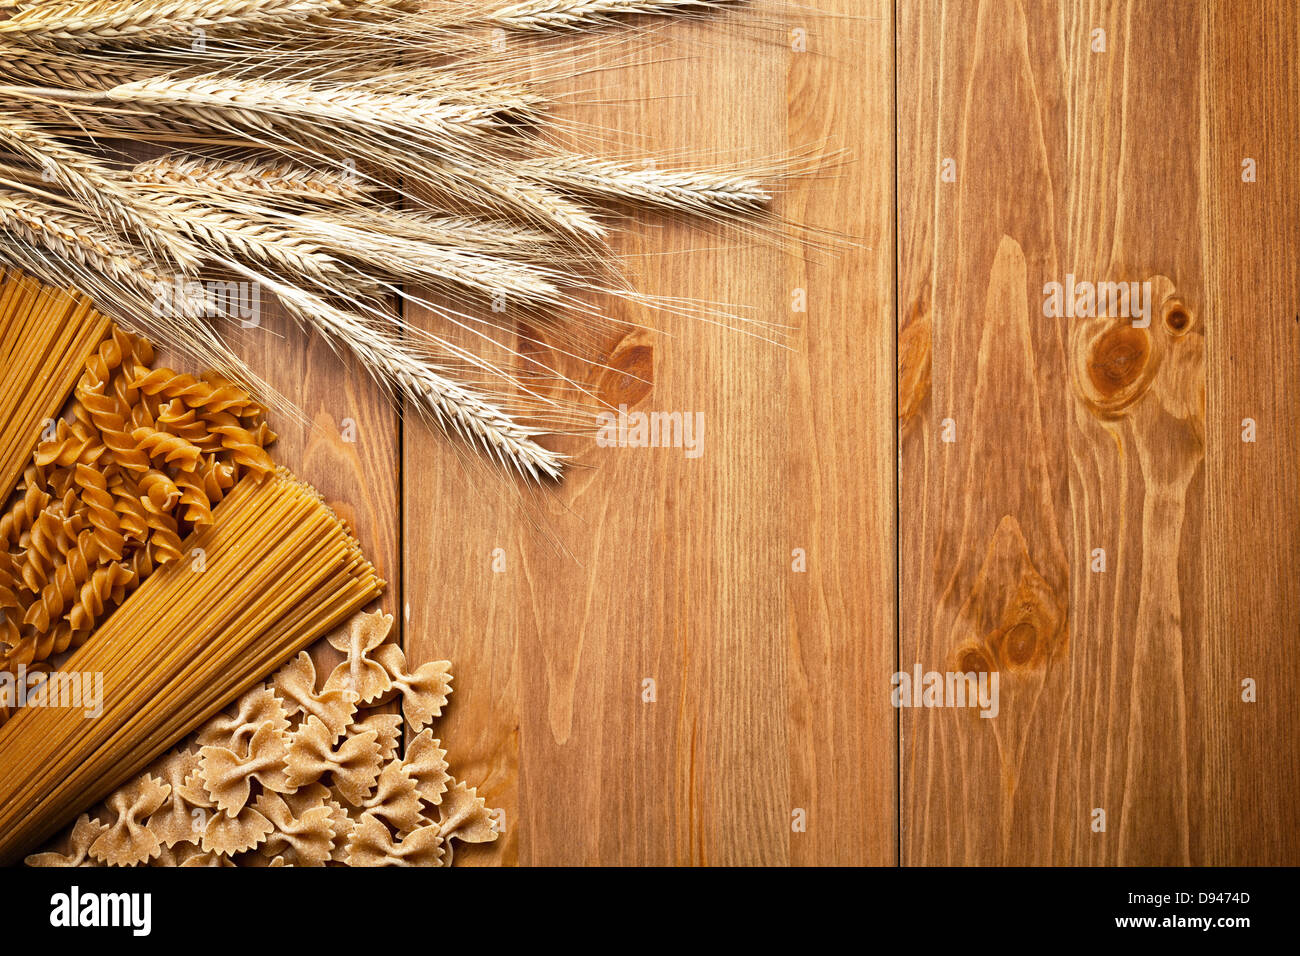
275,570
45,335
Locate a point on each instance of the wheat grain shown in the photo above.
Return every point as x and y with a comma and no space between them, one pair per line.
60,68
273,179
694,191
70,252
545,16
79,23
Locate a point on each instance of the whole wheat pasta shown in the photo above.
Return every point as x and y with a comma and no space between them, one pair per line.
45,336
279,570
140,463
292,774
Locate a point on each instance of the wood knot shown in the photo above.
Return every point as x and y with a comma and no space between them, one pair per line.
630,371
1020,645
1117,359
1119,365
971,658
1175,316
1013,620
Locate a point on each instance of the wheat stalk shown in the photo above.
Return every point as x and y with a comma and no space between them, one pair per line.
455,408
546,16
462,190
77,23
271,179
694,191
439,229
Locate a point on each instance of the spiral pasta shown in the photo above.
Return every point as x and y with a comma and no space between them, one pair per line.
93,487
137,463
15,521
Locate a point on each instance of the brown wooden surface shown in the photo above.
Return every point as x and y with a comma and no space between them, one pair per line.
678,569
1253,491
1120,690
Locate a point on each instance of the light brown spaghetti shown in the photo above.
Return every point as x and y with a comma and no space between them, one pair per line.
278,570
45,336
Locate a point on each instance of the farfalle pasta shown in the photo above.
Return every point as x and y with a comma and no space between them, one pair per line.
138,462
295,686
127,839
229,776
353,764
360,677
424,691
295,775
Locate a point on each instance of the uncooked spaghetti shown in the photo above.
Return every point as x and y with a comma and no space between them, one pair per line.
274,571
45,336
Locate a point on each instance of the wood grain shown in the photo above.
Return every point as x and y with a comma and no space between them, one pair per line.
1253,490
345,442
1078,434
757,585
680,570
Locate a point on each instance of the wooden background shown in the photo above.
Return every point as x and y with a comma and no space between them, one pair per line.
829,535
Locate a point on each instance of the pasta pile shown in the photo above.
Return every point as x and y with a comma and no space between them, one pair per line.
297,775
139,463
45,335
278,570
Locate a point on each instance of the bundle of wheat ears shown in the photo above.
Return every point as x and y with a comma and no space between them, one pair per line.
347,156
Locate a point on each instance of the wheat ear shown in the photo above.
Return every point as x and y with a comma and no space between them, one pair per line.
694,191
261,105
453,407
549,16
70,238
91,185
227,237
271,179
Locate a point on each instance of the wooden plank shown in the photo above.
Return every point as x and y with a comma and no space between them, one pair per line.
982,398
344,442
1072,434
841,455
679,568
1253,489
